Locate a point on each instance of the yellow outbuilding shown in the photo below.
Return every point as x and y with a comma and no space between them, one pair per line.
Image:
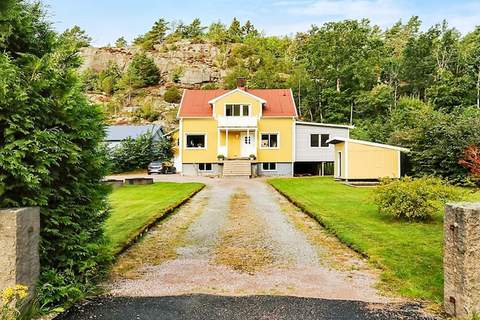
364,160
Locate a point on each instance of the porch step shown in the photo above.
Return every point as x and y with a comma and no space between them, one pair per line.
237,168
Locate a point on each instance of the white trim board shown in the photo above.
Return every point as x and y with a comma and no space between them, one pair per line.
367,143
213,101
330,125
181,103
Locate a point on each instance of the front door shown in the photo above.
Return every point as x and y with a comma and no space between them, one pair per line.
247,144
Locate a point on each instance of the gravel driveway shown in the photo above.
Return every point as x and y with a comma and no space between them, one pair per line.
245,239
239,237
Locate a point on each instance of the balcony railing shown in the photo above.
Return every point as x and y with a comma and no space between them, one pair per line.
237,122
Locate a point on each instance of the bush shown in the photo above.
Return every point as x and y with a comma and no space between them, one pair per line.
415,199
172,95
50,155
144,68
137,153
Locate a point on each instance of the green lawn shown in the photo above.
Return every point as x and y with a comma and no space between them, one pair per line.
409,253
134,207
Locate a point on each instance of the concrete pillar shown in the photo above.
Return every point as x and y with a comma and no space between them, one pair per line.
19,240
462,259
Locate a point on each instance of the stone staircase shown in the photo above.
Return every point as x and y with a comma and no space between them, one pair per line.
237,168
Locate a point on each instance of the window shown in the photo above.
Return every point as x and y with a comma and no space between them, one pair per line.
245,110
237,110
269,140
314,140
319,140
323,139
269,166
205,167
195,141
248,140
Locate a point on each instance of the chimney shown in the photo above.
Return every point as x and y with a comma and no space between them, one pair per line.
242,84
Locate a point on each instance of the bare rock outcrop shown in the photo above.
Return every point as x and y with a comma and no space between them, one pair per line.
189,64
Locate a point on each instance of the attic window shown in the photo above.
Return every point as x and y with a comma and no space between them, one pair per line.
237,110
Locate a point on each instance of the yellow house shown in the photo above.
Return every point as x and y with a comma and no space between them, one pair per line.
236,132
363,160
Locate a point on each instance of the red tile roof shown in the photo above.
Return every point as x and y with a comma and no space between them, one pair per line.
279,102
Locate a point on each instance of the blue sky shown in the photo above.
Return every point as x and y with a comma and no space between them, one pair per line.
106,20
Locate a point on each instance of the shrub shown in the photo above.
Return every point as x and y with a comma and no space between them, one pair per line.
137,153
172,95
49,151
144,68
415,199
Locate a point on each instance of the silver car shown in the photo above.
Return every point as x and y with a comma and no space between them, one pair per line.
155,167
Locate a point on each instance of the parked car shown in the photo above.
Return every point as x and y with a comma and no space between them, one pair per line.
155,167
161,168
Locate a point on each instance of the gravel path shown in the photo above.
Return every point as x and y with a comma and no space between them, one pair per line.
299,258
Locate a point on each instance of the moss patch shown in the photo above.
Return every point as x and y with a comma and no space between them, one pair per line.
243,244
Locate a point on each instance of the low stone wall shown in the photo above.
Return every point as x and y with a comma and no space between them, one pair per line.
19,240
139,181
462,259
115,183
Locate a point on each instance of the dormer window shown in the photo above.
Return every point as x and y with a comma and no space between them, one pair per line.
237,110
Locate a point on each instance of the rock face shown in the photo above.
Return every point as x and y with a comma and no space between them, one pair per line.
189,64
19,239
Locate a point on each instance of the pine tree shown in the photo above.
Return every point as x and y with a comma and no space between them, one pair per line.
121,42
235,33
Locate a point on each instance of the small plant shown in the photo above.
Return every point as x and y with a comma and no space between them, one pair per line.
12,302
252,157
415,199
177,73
172,95
221,157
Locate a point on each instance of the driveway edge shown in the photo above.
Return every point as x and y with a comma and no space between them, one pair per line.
165,214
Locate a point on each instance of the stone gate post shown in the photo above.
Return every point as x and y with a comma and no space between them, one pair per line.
19,239
462,259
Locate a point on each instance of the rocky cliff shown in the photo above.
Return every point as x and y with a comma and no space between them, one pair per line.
195,64
183,64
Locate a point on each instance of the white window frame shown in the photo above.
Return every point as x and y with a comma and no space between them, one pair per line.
196,134
319,140
269,170
269,148
241,109
205,164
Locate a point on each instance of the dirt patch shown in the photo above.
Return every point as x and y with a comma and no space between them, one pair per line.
242,240
159,245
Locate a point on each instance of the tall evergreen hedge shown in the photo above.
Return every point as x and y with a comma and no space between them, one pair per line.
50,153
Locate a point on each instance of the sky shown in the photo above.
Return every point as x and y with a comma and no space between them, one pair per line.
107,20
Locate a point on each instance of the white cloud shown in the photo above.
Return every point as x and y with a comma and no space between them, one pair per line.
382,12
463,15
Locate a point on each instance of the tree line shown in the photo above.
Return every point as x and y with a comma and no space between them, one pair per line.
405,85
